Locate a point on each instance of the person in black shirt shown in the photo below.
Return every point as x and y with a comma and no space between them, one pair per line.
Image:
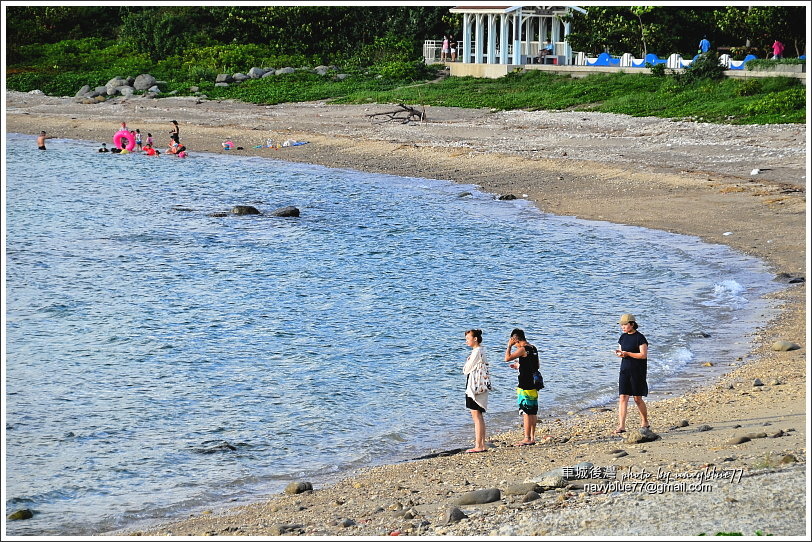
633,351
527,362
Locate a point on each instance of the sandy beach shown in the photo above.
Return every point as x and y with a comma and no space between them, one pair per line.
672,175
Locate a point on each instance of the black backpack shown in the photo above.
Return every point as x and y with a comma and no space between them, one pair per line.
538,380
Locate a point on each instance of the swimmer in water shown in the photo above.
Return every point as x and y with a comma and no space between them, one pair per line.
41,140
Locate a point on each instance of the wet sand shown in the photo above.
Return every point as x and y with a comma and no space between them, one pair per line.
675,176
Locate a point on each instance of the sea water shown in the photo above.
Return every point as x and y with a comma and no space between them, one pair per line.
160,358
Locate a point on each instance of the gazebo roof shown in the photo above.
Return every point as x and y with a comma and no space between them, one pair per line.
526,10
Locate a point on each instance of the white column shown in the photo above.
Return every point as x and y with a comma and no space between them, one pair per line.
556,37
503,39
466,38
517,35
528,35
478,39
491,53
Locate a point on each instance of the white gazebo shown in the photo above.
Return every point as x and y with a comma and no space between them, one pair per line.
512,35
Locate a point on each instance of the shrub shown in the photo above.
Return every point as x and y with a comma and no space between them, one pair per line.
705,67
761,63
401,71
657,70
786,101
748,87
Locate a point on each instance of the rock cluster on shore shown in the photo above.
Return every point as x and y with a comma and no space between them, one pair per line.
149,87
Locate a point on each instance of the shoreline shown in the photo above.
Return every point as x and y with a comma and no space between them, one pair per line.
502,153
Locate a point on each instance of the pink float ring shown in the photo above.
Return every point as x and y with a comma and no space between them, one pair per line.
124,134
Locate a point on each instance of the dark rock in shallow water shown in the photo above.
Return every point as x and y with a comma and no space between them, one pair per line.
25,513
212,447
507,197
244,210
285,211
219,214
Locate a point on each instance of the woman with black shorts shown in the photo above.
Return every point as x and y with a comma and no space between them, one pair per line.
476,371
633,350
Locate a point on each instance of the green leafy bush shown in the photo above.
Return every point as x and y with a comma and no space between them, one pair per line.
58,83
656,70
786,101
156,33
402,71
384,49
705,67
763,64
748,87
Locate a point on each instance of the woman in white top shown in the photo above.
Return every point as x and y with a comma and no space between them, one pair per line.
477,378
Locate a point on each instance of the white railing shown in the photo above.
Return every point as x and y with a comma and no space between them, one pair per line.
432,50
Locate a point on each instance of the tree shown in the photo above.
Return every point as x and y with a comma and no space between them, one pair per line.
761,25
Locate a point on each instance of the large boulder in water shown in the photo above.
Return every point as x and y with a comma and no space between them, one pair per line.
244,210
285,211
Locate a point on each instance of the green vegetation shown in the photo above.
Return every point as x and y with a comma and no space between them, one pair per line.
765,64
772,100
188,46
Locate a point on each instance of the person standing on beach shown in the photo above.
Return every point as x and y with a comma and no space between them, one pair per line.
41,140
633,351
174,135
527,396
477,379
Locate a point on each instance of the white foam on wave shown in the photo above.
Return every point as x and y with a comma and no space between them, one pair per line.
675,360
727,293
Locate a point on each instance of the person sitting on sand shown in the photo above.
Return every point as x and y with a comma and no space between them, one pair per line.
527,396
633,350
476,375
41,140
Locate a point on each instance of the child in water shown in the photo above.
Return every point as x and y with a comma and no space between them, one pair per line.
138,140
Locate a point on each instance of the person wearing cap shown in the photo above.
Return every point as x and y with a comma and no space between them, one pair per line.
633,351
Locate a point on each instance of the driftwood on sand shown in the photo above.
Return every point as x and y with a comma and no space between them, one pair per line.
404,114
